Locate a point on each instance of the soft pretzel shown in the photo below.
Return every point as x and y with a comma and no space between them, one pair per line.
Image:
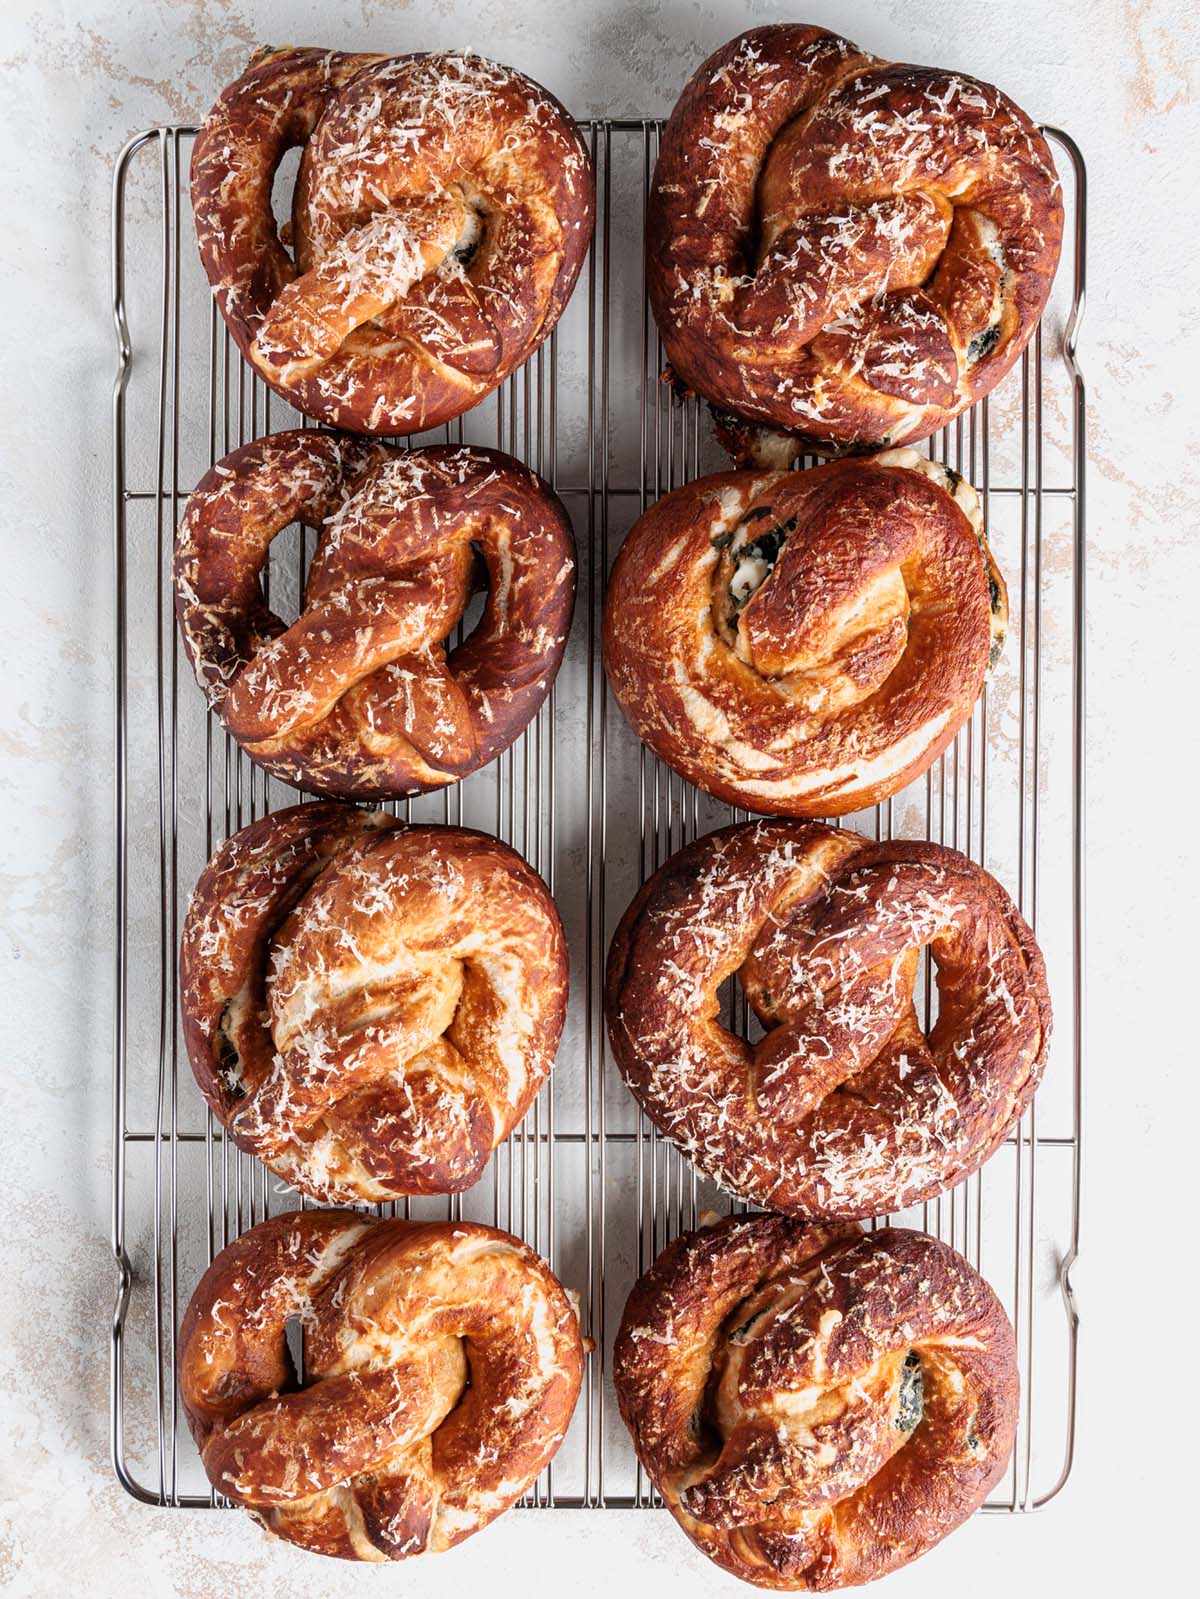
805,642
848,250
441,214
845,1108
359,697
369,1007
442,1361
816,1405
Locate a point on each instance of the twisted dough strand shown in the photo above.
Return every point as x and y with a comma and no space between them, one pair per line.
440,218
370,1008
816,1406
846,249
359,697
844,1108
442,1362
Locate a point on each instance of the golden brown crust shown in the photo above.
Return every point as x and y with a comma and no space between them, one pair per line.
848,249
442,1361
844,1109
359,698
827,671
817,1406
441,215
369,1007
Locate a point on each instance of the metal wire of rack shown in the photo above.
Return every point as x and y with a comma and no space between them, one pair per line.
586,1179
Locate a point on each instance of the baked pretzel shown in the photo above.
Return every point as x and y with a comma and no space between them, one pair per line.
805,642
442,1361
370,1007
817,1406
848,250
440,217
844,1108
359,698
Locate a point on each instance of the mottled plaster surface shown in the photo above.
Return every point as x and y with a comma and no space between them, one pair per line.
75,79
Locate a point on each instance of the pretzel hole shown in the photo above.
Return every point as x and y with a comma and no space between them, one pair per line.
283,187
293,1336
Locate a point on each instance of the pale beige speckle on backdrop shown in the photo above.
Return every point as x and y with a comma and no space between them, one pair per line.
76,78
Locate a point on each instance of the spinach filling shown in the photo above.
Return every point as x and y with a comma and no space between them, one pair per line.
754,560
912,1394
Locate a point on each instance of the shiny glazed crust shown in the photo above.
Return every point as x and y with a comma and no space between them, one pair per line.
805,643
442,1362
817,1406
359,698
849,250
370,1007
844,1109
441,214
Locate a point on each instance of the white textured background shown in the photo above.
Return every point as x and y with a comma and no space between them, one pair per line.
76,79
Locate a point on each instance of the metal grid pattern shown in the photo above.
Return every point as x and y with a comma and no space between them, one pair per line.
585,1179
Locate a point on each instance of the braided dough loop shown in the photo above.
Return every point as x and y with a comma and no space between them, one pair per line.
370,1007
442,1362
442,212
850,250
844,1108
815,1405
359,698
805,642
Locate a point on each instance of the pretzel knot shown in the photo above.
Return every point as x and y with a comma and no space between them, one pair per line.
441,214
442,1362
359,698
815,1405
850,250
845,1108
370,1008
806,642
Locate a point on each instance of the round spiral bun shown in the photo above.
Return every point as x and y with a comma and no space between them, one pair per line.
816,1405
370,1007
441,215
848,250
805,642
442,1361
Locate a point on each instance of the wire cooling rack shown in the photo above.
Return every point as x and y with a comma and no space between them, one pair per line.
586,1179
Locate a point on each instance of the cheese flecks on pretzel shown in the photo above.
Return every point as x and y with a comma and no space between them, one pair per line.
845,1108
370,1007
847,250
442,211
805,642
359,698
442,1362
817,1406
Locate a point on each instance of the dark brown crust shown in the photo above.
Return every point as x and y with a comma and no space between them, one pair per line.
359,698
849,670
386,1449
734,1324
844,1109
486,137
369,1007
814,257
